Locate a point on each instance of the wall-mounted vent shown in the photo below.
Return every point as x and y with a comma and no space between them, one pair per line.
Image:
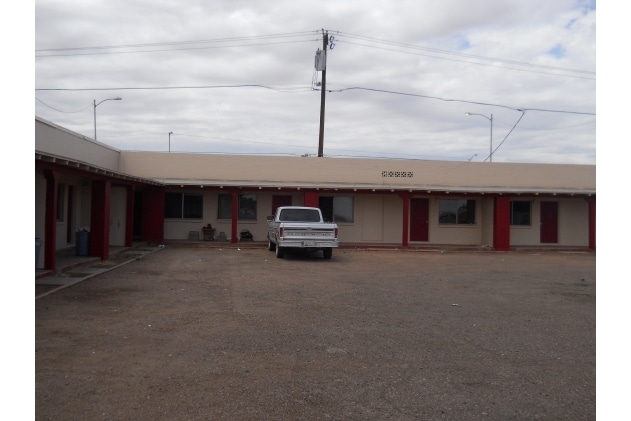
398,174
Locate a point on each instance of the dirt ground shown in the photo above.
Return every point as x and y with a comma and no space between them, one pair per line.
229,334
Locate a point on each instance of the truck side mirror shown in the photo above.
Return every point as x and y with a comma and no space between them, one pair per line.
270,217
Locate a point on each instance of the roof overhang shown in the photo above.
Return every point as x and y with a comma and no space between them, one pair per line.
417,189
92,169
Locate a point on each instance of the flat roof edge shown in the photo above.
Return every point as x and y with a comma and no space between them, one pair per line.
369,188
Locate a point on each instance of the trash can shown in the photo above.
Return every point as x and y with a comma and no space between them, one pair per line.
38,246
83,243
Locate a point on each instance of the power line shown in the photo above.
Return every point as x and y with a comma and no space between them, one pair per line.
558,128
98,50
506,137
477,64
287,89
459,54
228,43
203,41
299,89
458,100
166,50
66,112
287,145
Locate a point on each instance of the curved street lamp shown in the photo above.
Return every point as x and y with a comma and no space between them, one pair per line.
96,104
491,145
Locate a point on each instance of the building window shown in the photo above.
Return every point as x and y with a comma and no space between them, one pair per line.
183,206
61,201
520,212
224,209
246,211
456,212
336,208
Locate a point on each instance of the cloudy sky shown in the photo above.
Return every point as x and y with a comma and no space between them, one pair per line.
237,76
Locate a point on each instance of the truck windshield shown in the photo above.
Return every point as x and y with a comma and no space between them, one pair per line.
299,215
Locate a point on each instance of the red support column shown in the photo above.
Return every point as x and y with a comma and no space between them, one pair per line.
153,215
406,219
592,222
100,219
312,199
129,217
501,223
50,220
235,216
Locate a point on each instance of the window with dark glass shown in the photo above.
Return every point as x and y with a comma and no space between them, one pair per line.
336,208
520,212
246,210
247,207
183,206
224,206
456,211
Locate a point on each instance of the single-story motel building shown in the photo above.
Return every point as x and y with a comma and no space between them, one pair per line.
122,197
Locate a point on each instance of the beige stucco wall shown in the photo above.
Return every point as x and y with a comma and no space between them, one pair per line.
178,229
453,234
377,217
369,219
348,173
378,220
57,141
573,231
118,212
393,219
573,228
80,210
487,205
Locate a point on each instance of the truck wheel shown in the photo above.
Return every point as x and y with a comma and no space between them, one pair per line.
328,252
271,246
280,251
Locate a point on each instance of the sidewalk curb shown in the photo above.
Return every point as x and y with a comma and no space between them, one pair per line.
99,271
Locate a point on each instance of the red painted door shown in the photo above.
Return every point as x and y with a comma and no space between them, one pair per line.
278,201
419,219
549,222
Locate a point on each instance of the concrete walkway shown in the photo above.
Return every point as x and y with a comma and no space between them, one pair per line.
72,269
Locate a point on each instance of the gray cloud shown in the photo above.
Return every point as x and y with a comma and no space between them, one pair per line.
244,91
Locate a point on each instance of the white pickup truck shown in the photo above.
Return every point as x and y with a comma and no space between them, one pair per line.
300,227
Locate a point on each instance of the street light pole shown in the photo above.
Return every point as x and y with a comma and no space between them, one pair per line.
170,133
96,105
491,142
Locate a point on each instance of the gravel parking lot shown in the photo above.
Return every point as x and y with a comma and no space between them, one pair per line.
236,334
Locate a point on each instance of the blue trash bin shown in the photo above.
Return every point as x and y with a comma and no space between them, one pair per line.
83,243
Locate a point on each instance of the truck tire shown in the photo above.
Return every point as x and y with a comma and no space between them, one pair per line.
280,251
328,252
270,245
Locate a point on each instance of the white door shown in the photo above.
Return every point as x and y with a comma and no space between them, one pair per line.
372,218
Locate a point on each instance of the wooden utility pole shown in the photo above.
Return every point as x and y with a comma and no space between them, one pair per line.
325,43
